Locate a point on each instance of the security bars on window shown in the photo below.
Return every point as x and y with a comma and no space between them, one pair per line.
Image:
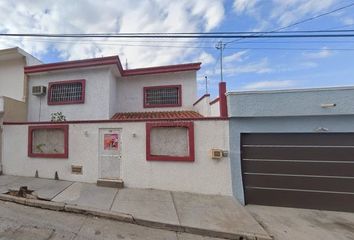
162,96
66,92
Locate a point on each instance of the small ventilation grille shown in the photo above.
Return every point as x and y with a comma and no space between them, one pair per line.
76,169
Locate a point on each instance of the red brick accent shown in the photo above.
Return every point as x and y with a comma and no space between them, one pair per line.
222,96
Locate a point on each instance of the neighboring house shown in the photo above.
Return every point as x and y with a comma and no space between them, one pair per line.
293,148
12,77
13,86
141,126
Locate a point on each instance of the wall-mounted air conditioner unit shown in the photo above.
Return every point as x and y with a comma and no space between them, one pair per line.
39,90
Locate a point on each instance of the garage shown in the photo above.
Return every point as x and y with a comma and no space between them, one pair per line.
307,170
293,148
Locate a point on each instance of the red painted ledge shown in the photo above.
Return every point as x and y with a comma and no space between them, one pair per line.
118,121
215,101
93,62
201,98
112,60
162,69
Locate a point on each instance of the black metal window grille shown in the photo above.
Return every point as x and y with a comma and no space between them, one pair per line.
66,92
162,96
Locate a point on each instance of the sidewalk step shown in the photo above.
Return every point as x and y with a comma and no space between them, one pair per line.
113,183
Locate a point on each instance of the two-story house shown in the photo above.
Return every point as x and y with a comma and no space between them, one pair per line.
141,126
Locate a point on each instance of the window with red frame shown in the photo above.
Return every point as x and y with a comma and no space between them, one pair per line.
170,141
66,92
162,96
48,141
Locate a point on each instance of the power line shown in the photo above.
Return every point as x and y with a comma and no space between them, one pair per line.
304,20
312,33
195,47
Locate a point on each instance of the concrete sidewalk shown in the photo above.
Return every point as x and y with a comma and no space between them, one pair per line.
210,215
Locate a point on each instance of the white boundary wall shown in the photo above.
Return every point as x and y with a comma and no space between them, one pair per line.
204,175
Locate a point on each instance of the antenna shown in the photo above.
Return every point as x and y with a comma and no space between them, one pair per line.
206,84
220,46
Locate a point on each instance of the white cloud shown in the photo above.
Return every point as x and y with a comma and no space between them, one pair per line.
259,67
286,12
269,85
205,58
245,6
348,20
324,53
110,16
235,57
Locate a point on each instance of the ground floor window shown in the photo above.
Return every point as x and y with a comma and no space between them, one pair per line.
48,141
170,141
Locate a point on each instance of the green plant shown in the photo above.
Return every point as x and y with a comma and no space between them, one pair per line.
57,117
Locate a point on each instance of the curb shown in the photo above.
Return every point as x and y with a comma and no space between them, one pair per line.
122,217
128,218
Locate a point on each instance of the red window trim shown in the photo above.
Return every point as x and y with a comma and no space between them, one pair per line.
164,105
82,100
65,128
190,128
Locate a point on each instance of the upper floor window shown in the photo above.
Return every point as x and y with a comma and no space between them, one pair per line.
163,96
66,92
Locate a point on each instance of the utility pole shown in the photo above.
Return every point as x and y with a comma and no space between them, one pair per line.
220,46
206,84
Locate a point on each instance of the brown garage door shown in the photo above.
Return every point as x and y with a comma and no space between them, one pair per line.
307,170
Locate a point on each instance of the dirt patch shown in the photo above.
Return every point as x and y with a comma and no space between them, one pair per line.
23,192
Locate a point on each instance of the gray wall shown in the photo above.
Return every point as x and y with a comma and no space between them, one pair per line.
296,111
340,123
303,102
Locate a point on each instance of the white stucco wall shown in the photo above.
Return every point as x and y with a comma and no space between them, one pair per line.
204,175
12,78
203,106
2,104
215,109
97,95
130,90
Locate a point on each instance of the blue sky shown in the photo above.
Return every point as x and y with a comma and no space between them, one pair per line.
249,64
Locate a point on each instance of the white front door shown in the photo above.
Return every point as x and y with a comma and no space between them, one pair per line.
110,149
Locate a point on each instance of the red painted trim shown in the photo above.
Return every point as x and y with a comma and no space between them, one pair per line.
223,101
179,87
215,101
163,69
120,120
190,128
112,60
65,128
201,98
82,100
93,62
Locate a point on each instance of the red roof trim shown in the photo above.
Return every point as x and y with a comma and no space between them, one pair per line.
125,120
112,60
162,69
93,62
201,98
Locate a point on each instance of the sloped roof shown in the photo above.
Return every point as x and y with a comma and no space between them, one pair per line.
157,115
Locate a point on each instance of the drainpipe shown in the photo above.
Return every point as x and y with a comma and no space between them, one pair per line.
222,101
